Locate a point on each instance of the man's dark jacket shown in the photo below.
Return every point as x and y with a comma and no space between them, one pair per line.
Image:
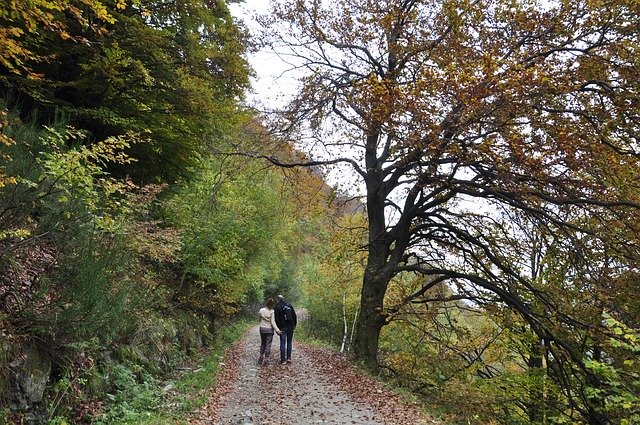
280,316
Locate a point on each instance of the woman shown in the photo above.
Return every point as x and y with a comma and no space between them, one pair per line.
267,327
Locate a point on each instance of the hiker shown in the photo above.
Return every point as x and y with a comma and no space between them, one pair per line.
286,320
267,327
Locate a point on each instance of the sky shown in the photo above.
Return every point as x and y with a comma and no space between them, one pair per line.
273,86
270,86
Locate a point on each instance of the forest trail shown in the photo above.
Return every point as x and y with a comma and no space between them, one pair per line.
318,387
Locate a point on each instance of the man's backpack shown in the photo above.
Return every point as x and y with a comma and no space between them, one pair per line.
287,313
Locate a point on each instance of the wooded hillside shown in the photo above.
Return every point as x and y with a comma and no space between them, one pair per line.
125,242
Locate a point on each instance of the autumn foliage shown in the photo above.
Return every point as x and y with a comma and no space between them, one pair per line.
496,145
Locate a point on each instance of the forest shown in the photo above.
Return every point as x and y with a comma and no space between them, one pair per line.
477,251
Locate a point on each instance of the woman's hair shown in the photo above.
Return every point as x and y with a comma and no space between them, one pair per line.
269,303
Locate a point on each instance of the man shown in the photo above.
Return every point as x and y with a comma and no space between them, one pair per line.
286,321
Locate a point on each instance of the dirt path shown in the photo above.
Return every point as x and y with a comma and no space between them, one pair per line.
319,387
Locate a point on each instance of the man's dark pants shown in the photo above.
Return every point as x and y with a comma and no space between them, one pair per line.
286,340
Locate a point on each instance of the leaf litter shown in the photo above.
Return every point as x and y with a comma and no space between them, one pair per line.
318,387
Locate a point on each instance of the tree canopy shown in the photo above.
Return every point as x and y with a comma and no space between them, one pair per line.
170,73
472,125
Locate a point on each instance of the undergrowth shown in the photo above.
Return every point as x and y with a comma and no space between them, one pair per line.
304,334
167,401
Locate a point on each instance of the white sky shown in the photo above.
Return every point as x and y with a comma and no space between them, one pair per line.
270,86
273,86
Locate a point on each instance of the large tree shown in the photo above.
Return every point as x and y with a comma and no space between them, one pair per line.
457,115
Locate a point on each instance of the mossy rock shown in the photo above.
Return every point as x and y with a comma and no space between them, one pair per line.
30,373
129,354
190,340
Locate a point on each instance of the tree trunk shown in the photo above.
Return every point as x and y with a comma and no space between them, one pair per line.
353,328
371,318
375,281
345,334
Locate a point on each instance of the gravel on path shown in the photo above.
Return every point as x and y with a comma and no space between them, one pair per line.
318,387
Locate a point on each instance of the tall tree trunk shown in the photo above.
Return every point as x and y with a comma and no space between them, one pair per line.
345,333
375,281
371,319
374,287
353,328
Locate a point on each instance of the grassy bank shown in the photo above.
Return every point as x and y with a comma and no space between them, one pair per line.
171,399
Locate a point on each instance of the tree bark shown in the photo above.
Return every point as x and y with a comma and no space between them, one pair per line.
375,280
374,287
371,319
344,321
